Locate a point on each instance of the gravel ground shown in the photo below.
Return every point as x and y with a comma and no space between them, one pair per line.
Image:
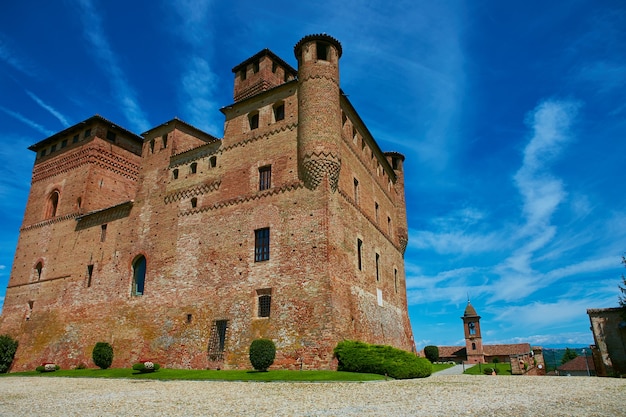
454,395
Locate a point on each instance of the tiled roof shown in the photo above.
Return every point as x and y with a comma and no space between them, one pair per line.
515,349
578,364
452,351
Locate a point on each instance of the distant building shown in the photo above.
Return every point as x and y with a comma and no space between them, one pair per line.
579,366
609,334
182,248
524,359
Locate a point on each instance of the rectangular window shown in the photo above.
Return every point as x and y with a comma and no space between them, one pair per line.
75,139
262,244
254,121
279,112
63,143
356,191
264,301
89,274
217,342
322,51
359,253
87,133
395,279
103,232
377,267
376,209
265,178
53,148
43,153
164,138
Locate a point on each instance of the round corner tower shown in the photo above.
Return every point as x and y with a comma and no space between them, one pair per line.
319,112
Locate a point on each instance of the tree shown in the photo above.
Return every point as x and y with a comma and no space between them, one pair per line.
262,354
8,347
102,355
432,353
568,355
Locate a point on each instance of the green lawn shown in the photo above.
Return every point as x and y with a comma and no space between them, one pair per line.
441,366
503,369
199,375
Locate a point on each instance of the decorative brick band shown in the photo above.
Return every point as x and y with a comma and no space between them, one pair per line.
239,200
50,221
317,166
318,76
192,192
89,155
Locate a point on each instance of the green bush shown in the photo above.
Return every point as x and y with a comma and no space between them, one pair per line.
432,353
102,355
8,347
145,367
355,356
490,371
47,367
496,360
262,354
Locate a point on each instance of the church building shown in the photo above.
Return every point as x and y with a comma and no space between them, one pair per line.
180,247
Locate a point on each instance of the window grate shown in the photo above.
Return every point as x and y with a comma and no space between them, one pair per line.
217,341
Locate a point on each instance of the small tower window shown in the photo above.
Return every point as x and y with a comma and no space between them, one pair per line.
75,139
213,161
472,328
255,66
359,254
377,267
89,274
194,202
253,120
242,74
175,174
265,178
322,51
53,204
103,232
39,268
395,279
279,112
111,136
377,211
87,133
274,67
152,146
193,168
356,191
64,143
473,346
139,275
164,139
42,153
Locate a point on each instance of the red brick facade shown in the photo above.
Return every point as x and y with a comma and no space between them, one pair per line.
291,227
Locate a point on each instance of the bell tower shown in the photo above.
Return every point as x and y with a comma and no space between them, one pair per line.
319,111
473,338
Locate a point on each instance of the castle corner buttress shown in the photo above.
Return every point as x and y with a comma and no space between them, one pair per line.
180,247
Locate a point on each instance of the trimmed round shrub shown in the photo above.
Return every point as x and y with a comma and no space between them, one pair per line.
102,355
432,353
262,354
8,347
355,356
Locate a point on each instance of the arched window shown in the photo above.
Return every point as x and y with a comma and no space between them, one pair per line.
39,268
472,328
139,275
53,204
473,346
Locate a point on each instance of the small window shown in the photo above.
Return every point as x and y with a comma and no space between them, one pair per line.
75,139
473,346
39,268
189,318
356,191
111,136
152,146
242,74
139,275
322,51
274,67
262,244
255,66
359,254
194,202
89,274
164,139
217,342
377,211
472,328
389,225
395,279
344,119
87,133
53,204
265,178
213,162
279,112
264,301
63,143
53,148
103,232
193,168
175,174
42,153
79,203
377,267
253,119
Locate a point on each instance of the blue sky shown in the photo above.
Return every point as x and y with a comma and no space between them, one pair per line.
511,115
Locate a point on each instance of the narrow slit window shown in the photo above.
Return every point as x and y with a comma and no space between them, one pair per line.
356,191
359,254
164,139
395,279
139,275
152,146
265,178
377,211
39,268
103,232
262,244
377,267
89,274
53,205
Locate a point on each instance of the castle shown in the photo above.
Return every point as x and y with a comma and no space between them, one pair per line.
180,247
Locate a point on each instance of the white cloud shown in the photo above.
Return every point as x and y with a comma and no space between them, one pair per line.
124,93
28,122
7,55
49,108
